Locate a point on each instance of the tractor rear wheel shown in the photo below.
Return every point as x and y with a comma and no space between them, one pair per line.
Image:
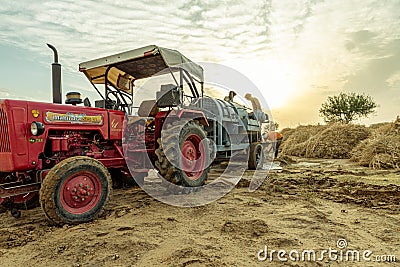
183,154
75,190
256,156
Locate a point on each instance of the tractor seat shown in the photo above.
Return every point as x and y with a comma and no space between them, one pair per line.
148,108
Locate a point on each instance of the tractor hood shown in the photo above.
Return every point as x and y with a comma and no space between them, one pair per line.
134,65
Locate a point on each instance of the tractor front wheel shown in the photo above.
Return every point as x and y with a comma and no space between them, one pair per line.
75,190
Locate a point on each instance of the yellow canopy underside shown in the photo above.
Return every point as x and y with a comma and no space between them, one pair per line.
137,64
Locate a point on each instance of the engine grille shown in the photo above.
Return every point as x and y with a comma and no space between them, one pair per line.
4,135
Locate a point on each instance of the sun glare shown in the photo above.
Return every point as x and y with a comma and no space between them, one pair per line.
276,79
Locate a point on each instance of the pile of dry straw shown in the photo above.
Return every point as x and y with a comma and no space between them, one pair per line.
295,140
377,146
382,149
324,141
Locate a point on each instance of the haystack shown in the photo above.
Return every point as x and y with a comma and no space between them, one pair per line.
323,141
378,125
286,132
295,140
382,149
337,141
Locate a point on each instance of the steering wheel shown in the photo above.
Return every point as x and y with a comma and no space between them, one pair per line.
119,105
115,104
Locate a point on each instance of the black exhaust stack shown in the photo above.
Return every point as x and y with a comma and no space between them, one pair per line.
56,76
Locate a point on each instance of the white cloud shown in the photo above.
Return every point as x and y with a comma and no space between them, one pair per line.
6,94
394,80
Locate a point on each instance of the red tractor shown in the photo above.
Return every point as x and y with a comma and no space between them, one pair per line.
68,155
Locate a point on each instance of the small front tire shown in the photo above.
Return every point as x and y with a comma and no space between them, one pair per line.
75,190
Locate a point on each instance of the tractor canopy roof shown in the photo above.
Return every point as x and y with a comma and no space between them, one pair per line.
137,64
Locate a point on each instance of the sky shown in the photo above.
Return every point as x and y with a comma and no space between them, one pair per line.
297,53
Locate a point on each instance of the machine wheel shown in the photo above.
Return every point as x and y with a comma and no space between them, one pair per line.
184,158
21,202
75,190
256,156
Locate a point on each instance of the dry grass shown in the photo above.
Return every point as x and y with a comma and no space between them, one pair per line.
337,141
287,132
295,140
376,126
382,149
324,141
377,146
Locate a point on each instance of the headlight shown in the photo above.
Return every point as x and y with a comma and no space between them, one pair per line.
37,128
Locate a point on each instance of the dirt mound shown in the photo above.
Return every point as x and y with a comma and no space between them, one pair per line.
382,149
338,190
324,141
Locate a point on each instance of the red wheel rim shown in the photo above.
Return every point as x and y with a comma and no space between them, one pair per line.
193,157
80,192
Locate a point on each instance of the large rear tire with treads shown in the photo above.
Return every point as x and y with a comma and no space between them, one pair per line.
183,154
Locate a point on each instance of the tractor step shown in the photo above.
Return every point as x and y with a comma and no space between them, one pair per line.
9,191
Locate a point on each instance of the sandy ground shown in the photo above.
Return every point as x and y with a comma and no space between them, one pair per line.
309,205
